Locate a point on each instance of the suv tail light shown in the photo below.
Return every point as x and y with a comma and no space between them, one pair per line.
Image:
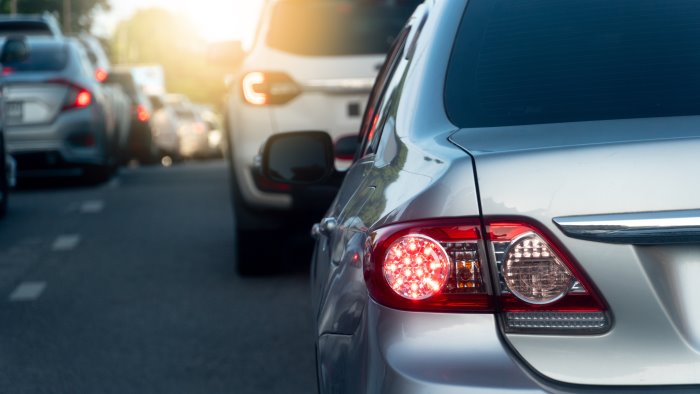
442,266
101,74
77,96
268,88
142,114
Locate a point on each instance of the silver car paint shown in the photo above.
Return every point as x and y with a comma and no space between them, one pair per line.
605,167
540,172
45,127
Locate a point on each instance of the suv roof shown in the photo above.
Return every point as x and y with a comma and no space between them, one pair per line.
30,24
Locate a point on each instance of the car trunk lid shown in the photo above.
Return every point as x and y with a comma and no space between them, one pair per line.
34,100
570,177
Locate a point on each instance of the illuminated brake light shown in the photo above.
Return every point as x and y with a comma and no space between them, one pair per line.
442,266
83,99
101,75
429,266
142,114
416,267
268,88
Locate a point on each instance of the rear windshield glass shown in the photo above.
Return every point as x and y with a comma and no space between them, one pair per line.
333,28
126,81
24,27
546,61
43,58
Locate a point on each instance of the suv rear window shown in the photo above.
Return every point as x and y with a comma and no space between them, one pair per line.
41,58
547,61
335,28
24,27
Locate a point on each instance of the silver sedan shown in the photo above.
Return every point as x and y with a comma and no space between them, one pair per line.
520,215
57,120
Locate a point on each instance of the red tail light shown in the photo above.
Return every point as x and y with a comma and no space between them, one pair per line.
268,88
101,74
77,97
442,266
142,114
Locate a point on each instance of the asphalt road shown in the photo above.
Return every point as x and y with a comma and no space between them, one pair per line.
129,287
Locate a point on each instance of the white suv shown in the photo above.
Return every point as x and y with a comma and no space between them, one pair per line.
311,67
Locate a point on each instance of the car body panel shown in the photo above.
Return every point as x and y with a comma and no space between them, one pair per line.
426,168
45,127
570,169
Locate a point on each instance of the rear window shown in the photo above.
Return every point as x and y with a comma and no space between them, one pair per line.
126,81
24,27
43,58
546,61
334,28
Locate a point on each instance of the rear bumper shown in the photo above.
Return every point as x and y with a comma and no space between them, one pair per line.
73,139
408,352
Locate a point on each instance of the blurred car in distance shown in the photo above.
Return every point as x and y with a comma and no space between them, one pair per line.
192,129
311,67
141,144
166,125
215,145
521,215
30,25
57,120
117,99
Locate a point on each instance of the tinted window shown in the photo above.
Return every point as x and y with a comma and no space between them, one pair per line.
126,81
24,27
546,61
41,58
332,28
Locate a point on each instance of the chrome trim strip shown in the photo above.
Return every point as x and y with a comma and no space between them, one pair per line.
340,86
643,228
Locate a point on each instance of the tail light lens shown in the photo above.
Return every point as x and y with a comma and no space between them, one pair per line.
77,96
142,114
268,88
442,266
101,75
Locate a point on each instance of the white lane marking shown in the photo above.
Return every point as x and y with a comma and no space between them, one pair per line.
95,206
66,242
28,291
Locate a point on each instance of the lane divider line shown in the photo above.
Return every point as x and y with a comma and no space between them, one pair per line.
65,243
28,291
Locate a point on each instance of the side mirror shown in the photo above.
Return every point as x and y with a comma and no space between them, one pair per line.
300,158
345,147
227,54
15,50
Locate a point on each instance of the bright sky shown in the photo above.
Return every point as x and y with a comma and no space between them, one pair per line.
216,19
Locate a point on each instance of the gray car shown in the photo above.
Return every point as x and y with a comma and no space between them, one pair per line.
521,214
57,120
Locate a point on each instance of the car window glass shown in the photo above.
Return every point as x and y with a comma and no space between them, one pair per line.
41,58
520,62
337,28
372,120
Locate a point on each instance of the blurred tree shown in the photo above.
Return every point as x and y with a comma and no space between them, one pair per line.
82,11
158,36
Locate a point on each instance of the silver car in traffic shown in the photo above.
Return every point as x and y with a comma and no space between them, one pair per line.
57,120
521,213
